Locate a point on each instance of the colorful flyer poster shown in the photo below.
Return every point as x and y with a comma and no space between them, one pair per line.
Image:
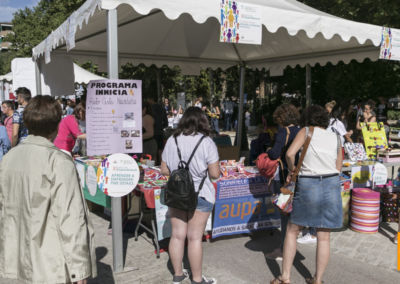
240,22
114,117
118,175
244,206
390,44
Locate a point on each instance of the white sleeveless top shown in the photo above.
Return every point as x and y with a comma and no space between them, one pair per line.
322,153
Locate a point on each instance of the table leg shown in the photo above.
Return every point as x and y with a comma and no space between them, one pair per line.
155,236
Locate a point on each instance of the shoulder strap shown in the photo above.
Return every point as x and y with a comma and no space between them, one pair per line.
287,135
303,152
179,151
191,156
195,148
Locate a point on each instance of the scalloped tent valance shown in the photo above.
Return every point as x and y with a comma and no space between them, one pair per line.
185,33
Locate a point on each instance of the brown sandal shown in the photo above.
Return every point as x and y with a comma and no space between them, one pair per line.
278,280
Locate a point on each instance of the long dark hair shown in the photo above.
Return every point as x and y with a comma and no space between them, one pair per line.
193,121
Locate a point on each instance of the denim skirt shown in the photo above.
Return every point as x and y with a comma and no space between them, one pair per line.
318,203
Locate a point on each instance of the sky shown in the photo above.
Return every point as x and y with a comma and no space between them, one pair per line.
8,7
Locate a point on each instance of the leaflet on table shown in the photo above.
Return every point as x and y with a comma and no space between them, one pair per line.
245,205
163,218
114,117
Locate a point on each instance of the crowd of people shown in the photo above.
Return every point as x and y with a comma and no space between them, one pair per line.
39,184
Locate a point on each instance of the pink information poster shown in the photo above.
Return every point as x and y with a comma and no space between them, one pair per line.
114,117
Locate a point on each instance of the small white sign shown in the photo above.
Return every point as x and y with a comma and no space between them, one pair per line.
91,180
118,175
390,44
240,22
380,174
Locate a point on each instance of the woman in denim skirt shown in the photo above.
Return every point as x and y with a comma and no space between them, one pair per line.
317,201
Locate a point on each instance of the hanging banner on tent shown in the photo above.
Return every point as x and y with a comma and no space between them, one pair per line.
114,117
390,44
240,22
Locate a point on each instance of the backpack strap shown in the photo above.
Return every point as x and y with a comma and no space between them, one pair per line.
186,164
194,150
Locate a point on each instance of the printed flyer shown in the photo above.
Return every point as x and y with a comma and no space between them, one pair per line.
390,44
240,22
114,117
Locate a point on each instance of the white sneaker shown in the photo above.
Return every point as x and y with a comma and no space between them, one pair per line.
307,239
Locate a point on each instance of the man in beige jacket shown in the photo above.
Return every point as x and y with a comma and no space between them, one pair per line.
45,234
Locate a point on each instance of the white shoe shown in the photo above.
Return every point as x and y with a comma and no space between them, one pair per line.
307,239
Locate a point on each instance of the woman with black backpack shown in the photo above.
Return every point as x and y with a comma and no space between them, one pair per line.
191,159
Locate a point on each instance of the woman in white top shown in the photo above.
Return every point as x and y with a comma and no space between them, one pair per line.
191,224
335,124
317,202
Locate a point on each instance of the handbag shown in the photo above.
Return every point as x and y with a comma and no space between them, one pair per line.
284,199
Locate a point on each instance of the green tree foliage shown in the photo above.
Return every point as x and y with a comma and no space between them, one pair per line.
31,26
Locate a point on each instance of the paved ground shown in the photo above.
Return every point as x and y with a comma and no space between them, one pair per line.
355,258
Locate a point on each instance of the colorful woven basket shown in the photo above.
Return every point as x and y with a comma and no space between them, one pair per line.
365,205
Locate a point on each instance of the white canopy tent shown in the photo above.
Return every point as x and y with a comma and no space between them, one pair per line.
186,33
6,78
5,81
55,80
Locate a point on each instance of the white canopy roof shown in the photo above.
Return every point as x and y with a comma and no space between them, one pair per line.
186,33
7,77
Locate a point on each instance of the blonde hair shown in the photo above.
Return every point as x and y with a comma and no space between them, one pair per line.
330,104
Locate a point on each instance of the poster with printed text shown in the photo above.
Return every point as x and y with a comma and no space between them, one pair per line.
390,44
244,206
240,22
114,117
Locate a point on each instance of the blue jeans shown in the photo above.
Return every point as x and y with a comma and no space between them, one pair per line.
215,125
228,121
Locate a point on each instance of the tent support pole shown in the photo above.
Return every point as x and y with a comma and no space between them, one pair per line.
158,73
241,103
308,85
2,95
38,77
116,210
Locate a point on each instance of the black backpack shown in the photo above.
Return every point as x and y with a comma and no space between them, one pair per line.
180,192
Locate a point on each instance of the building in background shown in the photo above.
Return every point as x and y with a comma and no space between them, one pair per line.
5,29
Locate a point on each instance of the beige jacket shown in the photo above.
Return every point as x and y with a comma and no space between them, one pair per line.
45,233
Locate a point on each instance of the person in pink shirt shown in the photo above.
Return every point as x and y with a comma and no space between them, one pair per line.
7,108
68,130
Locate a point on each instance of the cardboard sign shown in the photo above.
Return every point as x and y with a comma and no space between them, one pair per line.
380,174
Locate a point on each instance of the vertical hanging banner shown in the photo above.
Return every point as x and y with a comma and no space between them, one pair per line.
240,22
390,44
114,117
